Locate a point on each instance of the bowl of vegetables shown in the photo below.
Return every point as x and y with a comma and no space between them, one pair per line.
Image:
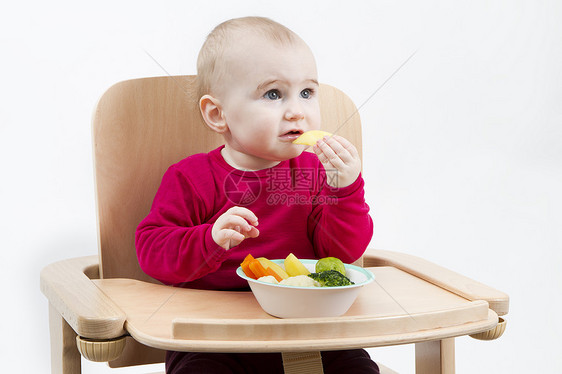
293,288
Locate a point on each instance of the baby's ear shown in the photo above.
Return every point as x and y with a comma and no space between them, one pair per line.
211,111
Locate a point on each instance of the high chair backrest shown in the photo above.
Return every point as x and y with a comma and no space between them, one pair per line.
140,128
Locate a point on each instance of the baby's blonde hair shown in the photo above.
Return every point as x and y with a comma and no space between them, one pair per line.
210,64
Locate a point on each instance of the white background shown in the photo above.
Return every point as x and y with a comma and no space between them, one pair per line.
462,148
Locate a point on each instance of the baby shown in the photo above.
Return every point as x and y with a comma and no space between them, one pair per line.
258,193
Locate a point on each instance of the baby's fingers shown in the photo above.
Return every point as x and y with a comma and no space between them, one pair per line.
338,147
228,238
233,226
253,233
245,213
327,155
342,146
234,222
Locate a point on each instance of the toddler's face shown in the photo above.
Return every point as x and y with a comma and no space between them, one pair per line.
269,98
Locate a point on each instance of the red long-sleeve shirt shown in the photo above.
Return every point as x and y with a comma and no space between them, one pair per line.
297,212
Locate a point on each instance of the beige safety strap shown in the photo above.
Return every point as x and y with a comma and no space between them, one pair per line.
302,363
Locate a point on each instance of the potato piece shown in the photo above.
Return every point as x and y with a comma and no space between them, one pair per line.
294,267
273,266
311,137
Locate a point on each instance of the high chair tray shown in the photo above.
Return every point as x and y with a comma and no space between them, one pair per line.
397,308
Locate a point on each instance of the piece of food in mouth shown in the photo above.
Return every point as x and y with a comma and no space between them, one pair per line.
311,137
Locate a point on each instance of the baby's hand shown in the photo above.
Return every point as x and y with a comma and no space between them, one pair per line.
340,159
233,226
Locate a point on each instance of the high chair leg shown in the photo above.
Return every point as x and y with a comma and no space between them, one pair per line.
65,358
436,357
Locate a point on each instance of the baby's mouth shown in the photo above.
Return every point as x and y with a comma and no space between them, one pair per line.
292,135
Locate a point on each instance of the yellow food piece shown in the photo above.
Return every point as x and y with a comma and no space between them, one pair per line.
273,266
311,137
294,267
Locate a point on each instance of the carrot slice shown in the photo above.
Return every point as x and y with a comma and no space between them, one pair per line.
249,273
270,271
246,266
248,258
257,268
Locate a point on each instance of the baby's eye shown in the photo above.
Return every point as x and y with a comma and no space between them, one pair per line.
273,95
307,93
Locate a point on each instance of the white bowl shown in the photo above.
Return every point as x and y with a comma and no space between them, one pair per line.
302,302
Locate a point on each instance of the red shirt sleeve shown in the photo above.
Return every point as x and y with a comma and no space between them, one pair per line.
340,225
174,242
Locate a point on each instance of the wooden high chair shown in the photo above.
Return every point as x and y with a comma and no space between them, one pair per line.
105,308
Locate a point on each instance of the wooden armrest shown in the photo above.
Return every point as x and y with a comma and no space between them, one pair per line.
440,276
79,301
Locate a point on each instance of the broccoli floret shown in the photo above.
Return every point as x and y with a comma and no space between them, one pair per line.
331,278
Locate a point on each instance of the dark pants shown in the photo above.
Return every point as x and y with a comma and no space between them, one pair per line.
355,361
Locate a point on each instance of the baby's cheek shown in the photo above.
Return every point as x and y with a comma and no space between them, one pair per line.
314,119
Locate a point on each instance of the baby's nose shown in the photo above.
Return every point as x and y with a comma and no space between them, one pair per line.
294,116
294,112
